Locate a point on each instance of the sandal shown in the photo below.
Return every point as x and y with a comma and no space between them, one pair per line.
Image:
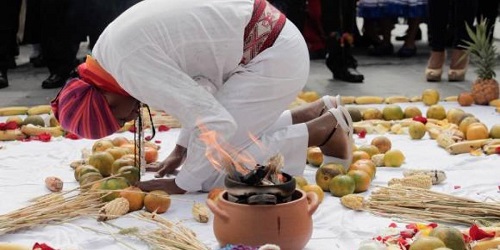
328,104
344,120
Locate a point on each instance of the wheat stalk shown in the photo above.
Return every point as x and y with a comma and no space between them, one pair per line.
422,204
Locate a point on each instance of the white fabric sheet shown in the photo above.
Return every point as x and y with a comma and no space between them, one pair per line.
24,166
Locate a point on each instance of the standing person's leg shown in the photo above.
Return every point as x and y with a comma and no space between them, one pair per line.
338,26
58,45
438,20
488,10
465,13
9,22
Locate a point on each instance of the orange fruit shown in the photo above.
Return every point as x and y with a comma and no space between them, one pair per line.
430,97
117,164
158,201
361,179
465,99
394,158
326,172
135,198
436,111
117,152
450,236
454,115
151,154
111,184
102,161
131,148
358,155
382,143
370,149
101,145
476,131
83,169
119,140
131,173
392,112
316,189
314,156
495,131
412,111
341,185
465,123
372,114
426,243
89,178
365,165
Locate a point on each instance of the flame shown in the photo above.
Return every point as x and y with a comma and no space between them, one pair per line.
223,156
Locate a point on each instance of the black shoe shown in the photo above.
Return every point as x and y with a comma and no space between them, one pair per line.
418,36
348,75
54,81
407,52
12,63
4,82
381,50
38,61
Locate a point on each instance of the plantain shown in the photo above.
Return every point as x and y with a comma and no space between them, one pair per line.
416,98
369,100
491,149
33,130
486,244
14,110
38,110
466,146
11,135
396,99
445,140
348,99
452,98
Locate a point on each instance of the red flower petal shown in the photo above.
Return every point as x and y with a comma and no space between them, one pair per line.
163,128
405,234
432,224
132,129
71,136
11,125
44,137
2,125
456,187
42,246
362,134
497,150
412,226
420,119
393,225
477,233
157,141
147,138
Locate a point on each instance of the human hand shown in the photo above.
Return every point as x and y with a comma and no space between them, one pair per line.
167,185
170,164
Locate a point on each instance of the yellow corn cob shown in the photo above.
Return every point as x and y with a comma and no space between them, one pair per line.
396,99
38,110
348,99
15,110
11,135
437,176
369,100
113,209
444,140
466,146
416,98
495,103
33,130
453,98
200,212
352,201
418,181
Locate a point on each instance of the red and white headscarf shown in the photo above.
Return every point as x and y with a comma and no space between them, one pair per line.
81,108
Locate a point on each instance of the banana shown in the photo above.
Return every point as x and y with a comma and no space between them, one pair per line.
495,103
14,110
396,99
452,98
369,100
466,146
38,110
13,246
416,98
348,99
33,130
11,135
486,244
444,140
491,149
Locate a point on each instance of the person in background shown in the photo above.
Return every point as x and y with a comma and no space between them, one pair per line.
157,53
339,19
489,11
9,24
462,12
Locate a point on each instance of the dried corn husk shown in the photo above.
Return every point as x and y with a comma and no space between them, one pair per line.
418,181
200,212
113,209
437,176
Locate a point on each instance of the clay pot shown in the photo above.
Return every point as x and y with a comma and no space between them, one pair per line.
288,225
